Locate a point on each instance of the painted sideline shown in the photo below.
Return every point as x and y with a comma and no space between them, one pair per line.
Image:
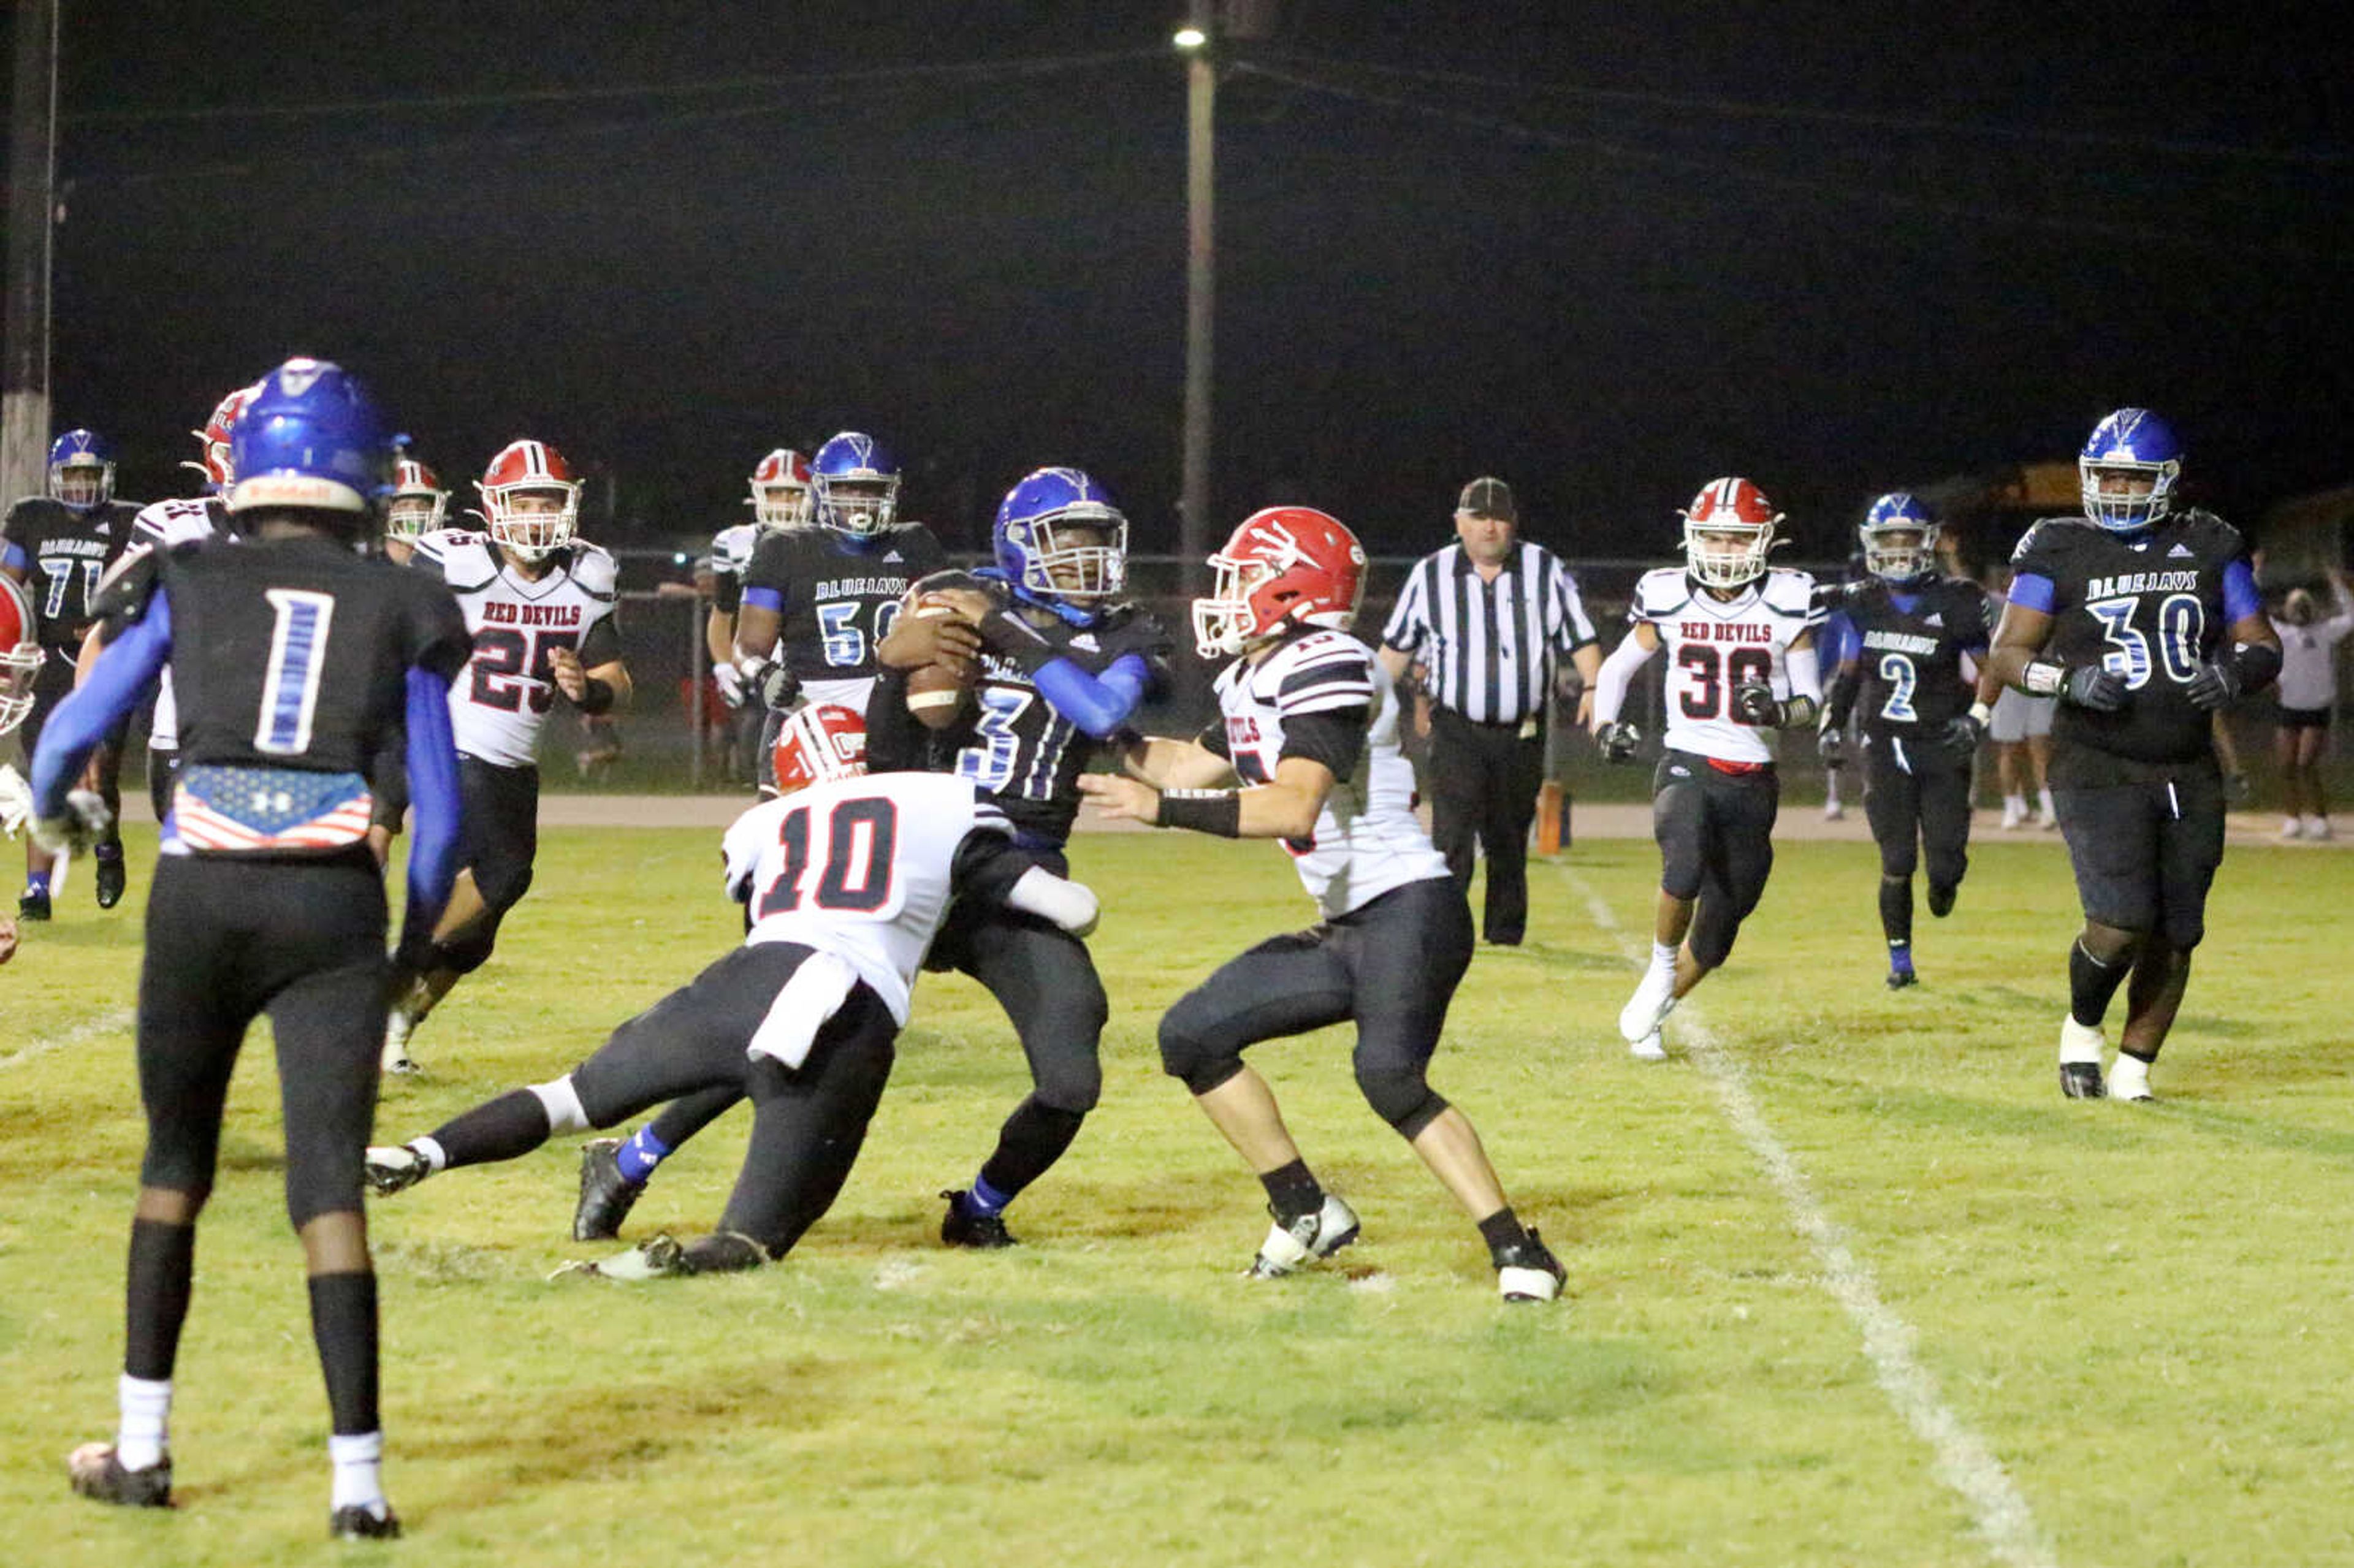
117,1022
1962,1462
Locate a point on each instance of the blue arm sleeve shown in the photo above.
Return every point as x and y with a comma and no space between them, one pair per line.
433,790
764,599
2030,590
2241,598
1097,704
117,682
13,557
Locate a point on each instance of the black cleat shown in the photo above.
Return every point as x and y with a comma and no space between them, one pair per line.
1899,978
1528,1271
2081,1081
1941,899
360,1522
966,1226
606,1195
33,904
112,877
96,1472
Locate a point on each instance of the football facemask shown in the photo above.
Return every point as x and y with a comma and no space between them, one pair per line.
1283,564
537,528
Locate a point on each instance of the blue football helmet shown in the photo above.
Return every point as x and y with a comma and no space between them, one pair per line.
1062,543
855,486
311,438
2129,441
1899,542
81,470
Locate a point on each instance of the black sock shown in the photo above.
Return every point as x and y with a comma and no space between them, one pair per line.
1294,1191
2090,984
155,1302
1502,1231
342,1321
512,1125
1896,910
1033,1138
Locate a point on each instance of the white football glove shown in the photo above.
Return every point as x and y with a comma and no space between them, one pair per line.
85,819
730,681
16,801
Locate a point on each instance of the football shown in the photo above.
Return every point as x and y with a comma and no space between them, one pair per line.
936,691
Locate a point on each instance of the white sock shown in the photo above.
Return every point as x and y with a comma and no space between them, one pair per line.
2044,803
2130,1073
436,1158
1663,956
359,1470
146,1408
2015,803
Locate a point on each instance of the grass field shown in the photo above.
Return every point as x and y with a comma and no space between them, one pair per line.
1851,1283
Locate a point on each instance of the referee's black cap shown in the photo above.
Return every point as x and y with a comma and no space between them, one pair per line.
1489,498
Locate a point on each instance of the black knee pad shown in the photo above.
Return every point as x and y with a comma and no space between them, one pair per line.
1200,1065
1400,1097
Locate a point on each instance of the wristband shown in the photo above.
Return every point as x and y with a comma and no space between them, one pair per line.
1218,811
1800,712
2044,679
597,697
1983,713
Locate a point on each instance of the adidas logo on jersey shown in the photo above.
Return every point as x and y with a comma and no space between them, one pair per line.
1936,617
892,556
1086,639
2179,553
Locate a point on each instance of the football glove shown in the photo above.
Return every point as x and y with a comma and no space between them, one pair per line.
1962,734
2095,688
2214,686
1831,747
1618,740
84,821
730,681
774,684
16,801
1753,704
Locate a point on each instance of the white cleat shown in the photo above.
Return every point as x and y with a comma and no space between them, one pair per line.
1650,1048
2014,812
1654,999
1833,812
2317,828
1306,1239
393,1169
2129,1079
2292,827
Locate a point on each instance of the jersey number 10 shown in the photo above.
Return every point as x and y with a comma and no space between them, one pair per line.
856,848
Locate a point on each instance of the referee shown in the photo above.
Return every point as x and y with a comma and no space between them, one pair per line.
1486,617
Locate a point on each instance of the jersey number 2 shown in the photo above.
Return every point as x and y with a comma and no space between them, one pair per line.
860,839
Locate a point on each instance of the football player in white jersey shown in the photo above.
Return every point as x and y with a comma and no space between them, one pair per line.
539,602
1307,751
779,501
846,879
1742,667
418,506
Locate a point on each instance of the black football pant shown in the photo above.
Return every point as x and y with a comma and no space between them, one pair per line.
1715,832
808,1124
1483,781
498,840
1391,967
52,684
2145,854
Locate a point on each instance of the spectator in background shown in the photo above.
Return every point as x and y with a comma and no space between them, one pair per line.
1489,615
2307,691
2021,732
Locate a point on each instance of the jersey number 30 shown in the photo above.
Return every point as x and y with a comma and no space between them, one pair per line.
855,847
1704,694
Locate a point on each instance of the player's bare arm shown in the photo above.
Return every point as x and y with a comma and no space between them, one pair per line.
1286,807
581,685
1170,764
2017,640
916,641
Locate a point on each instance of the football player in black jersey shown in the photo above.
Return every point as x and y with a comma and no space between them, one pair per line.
59,545
1917,635
2143,619
296,661
1066,661
817,601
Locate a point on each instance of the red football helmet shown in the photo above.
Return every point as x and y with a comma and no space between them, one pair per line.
418,504
218,468
1728,528
530,499
20,655
819,743
1283,564
780,489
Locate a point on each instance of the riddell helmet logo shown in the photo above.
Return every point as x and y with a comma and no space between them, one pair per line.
296,376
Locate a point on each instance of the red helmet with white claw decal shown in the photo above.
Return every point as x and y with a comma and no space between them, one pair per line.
780,489
819,743
419,503
1728,528
531,499
20,654
1283,566
217,467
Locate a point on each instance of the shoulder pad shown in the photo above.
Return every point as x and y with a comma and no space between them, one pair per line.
594,568
1788,591
175,521
2212,526
465,558
1661,590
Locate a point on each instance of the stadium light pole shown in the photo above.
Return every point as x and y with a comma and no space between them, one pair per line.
32,169
1201,287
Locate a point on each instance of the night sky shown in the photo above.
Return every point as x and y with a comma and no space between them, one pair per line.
1607,251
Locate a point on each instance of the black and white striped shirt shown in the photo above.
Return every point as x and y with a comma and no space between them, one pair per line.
1490,646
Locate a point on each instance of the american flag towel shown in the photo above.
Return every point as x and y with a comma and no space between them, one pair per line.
217,809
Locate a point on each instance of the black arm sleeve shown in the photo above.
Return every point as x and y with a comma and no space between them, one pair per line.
1333,738
1842,703
896,741
601,643
986,865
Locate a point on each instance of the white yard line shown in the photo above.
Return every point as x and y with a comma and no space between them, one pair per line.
95,1029
1963,1461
